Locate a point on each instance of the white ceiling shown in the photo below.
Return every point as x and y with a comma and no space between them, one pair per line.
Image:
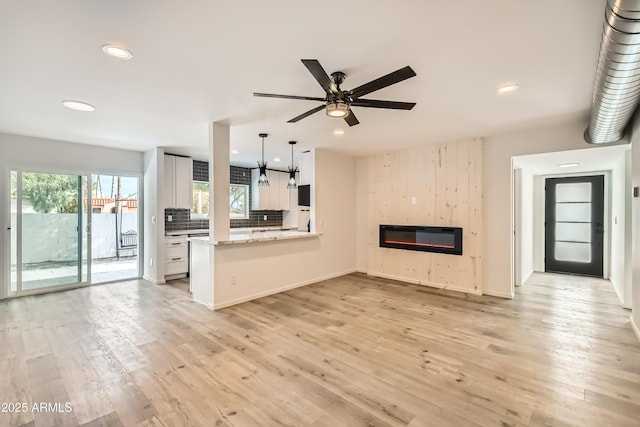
200,61
589,160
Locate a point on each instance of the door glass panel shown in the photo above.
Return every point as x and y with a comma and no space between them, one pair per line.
573,232
573,192
114,228
573,212
51,224
14,230
575,252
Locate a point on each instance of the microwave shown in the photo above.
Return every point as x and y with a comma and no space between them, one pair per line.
304,195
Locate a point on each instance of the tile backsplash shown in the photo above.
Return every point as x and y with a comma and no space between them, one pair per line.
181,218
240,175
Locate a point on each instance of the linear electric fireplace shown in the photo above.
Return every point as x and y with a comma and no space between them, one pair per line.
445,240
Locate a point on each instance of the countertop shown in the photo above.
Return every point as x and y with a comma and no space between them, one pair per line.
184,232
257,236
232,231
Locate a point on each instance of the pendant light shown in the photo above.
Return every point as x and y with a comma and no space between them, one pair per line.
263,180
292,170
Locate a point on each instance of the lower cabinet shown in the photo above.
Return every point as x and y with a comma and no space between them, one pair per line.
176,256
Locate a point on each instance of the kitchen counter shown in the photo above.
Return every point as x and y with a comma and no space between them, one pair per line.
255,237
185,232
265,236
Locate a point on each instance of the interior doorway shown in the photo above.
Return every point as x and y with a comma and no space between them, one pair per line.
574,225
587,240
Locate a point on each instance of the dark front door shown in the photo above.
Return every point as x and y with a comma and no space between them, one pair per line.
574,225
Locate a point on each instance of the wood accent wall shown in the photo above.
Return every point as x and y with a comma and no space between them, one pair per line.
446,181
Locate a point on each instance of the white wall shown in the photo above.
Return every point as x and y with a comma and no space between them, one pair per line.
527,211
259,269
620,264
635,209
153,219
55,156
497,177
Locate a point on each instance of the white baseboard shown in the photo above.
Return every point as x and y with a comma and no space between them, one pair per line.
281,289
635,327
209,306
153,281
424,283
620,298
498,294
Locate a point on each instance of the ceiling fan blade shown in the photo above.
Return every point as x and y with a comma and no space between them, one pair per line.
320,75
382,82
375,103
351,119
273,95
308,113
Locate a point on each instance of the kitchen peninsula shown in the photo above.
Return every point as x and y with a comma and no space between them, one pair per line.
202,256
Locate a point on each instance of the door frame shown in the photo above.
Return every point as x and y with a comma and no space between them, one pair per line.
606,242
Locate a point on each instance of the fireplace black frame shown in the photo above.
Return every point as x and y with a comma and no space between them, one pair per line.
415,244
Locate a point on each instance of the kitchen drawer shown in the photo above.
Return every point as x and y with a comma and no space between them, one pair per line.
176,265
175,241
176,251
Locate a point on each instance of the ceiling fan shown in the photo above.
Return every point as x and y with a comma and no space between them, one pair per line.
338,102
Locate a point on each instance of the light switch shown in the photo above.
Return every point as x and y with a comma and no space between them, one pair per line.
414,200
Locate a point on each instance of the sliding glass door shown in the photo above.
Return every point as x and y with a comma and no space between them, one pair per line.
49,246
70,230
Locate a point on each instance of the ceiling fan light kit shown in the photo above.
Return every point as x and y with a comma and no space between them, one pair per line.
338,109
262,165
337,102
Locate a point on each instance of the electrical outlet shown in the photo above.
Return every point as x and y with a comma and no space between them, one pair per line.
414,200
264,217
233,280
170,218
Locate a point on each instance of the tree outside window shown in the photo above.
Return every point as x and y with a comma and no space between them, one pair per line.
239,201
200,203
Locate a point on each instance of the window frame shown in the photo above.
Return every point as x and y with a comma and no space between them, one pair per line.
197,215
246,201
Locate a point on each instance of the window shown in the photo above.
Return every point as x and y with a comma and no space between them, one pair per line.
238,201
200,202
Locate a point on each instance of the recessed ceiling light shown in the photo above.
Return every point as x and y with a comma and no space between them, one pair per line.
338,132
568,165
117,51
235,152
78,105
507,88
277,159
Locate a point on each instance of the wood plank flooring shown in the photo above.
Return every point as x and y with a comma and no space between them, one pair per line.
352,351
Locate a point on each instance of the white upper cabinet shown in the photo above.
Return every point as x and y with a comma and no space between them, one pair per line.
275,196
177,181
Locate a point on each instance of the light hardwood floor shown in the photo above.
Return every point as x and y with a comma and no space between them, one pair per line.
353,351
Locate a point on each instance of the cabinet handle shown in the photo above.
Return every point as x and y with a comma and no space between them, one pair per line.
178,243
176,259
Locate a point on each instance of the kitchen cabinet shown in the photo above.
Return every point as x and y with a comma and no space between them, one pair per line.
176,256
306,168
177,181
274,197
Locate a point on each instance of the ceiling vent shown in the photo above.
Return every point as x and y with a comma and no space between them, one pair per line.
617,87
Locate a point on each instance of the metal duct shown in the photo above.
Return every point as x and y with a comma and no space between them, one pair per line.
617,87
